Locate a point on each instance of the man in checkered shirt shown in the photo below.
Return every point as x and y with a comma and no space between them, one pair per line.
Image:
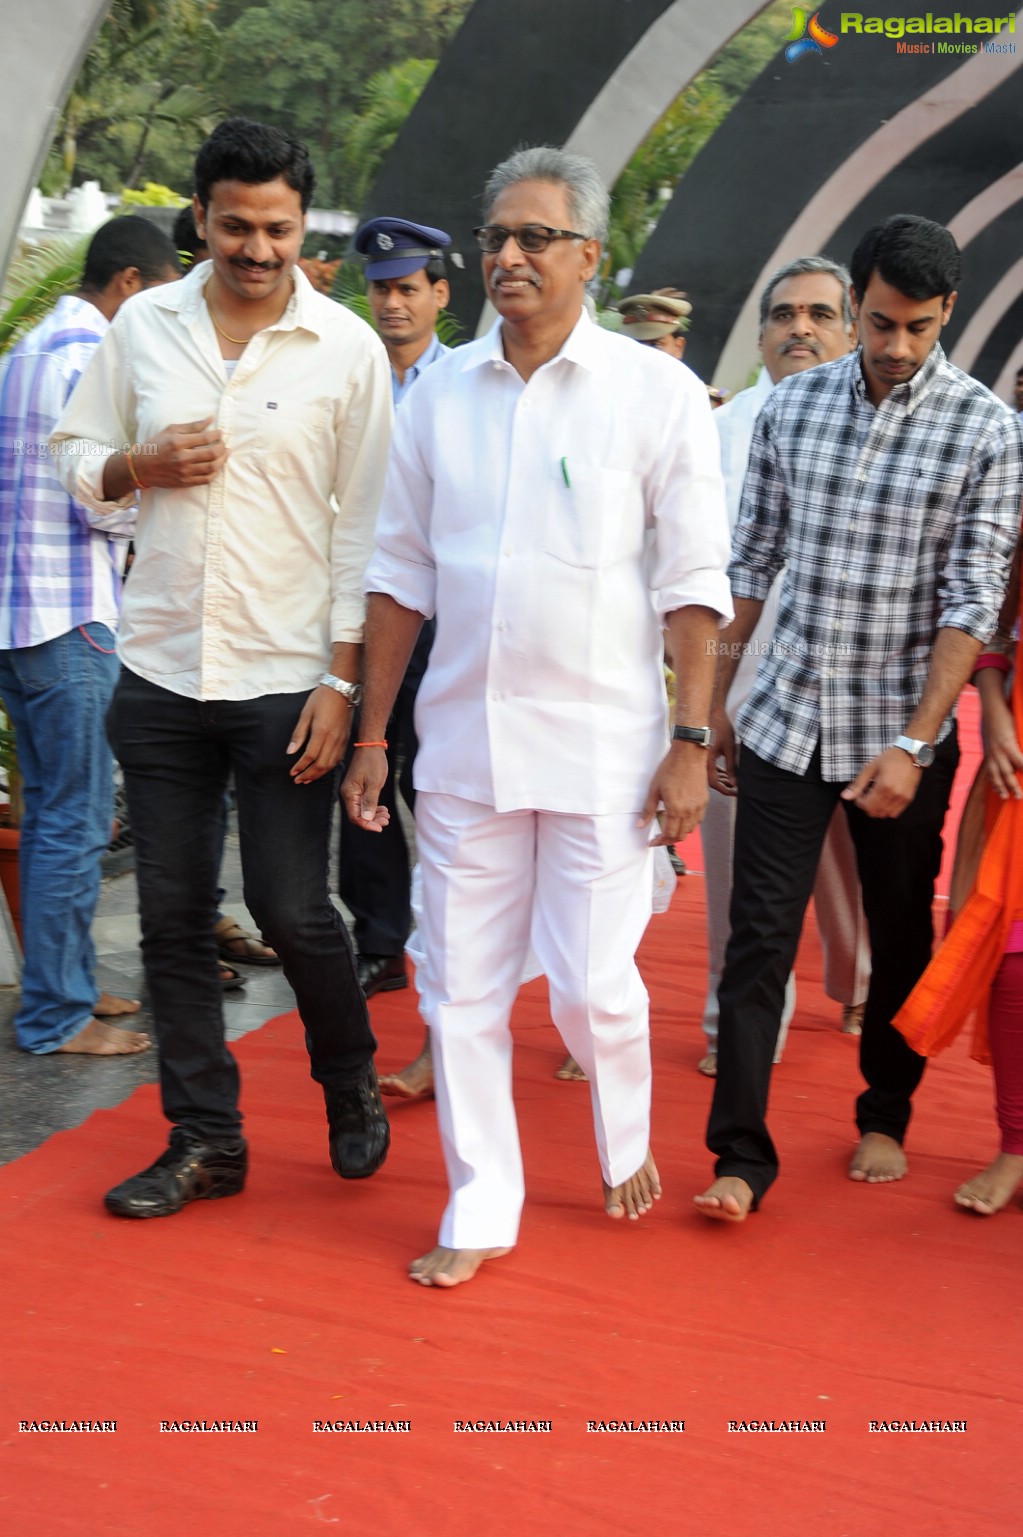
888,484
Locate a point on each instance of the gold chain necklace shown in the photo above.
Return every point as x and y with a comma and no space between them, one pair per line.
236,341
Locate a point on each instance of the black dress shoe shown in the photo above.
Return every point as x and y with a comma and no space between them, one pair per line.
382,974
359,1134
190,1170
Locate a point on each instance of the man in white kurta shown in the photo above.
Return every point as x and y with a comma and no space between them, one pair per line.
805,320
554,497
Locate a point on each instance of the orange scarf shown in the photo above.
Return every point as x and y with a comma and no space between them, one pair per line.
957,983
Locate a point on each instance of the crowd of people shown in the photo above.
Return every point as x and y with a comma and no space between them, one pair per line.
455,576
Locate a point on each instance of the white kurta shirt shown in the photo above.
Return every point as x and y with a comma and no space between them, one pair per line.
239,587
734,421
549,525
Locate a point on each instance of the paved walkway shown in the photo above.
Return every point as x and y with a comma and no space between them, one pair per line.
41,1095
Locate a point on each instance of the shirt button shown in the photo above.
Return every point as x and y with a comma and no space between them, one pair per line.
502,624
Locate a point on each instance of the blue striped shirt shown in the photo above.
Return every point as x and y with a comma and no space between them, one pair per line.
56,570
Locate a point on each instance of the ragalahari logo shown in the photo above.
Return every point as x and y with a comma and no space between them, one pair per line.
807,37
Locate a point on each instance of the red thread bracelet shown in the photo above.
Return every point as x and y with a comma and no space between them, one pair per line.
370,744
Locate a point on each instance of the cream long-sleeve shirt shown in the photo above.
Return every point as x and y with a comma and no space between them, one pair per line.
239,587
551,525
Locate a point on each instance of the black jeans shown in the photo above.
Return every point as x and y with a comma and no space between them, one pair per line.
781,820
177,755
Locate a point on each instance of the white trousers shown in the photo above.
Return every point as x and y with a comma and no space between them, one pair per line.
580,887
836,898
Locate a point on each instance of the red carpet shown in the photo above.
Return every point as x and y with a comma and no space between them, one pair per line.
289,1304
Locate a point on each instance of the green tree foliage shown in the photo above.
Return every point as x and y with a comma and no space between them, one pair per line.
386,103
35,282
305,64
648,181
144,99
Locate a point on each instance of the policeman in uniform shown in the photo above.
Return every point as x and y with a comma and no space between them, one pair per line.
659,319
407,288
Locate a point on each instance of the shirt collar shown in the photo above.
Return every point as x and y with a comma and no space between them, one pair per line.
581,346
71,310
432,353
910,394
188,298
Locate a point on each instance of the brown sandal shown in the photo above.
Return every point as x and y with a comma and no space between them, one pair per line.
236,944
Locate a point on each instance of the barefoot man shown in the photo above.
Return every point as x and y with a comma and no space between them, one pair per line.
888,484
553,490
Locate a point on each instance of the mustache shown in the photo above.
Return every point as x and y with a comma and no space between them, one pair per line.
807,342
516,274
251,266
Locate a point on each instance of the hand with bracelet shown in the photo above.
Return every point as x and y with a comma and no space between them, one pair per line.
185,454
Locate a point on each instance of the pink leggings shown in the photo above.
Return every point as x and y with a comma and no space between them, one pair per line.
1006,1029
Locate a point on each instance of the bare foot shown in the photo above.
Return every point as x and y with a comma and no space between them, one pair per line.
878,1160
107,1006
729,1199
852,1019
571,1072
450,1267
414,1081
994,1187
99,1040
708,1065
636,1195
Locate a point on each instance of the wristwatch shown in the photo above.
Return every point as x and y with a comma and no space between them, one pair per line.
351,691
922,753
701,735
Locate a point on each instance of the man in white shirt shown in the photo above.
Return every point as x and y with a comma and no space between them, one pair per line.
805,319
554,496
260,416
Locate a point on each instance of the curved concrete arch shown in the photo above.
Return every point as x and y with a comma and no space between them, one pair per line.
860,174
987,206
670,54
44,46
594,75
987,315
1010,338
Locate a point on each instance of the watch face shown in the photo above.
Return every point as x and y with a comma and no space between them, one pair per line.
924,755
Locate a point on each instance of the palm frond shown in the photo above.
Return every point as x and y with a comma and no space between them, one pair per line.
35,282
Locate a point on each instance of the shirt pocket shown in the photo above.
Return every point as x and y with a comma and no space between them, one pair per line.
596,516
290,435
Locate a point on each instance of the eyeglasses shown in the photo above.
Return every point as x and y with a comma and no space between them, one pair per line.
530,238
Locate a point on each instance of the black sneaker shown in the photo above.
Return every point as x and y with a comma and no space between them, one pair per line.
190,1170
359,1134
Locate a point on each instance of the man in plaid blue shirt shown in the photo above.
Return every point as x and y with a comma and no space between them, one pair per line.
888,484
60,582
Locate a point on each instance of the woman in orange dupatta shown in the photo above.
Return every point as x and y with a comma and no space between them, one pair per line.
978,971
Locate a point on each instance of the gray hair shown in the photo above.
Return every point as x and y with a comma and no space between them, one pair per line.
589,201
796,269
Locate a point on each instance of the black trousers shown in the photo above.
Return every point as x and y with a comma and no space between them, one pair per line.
781,820
177,755
373,868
